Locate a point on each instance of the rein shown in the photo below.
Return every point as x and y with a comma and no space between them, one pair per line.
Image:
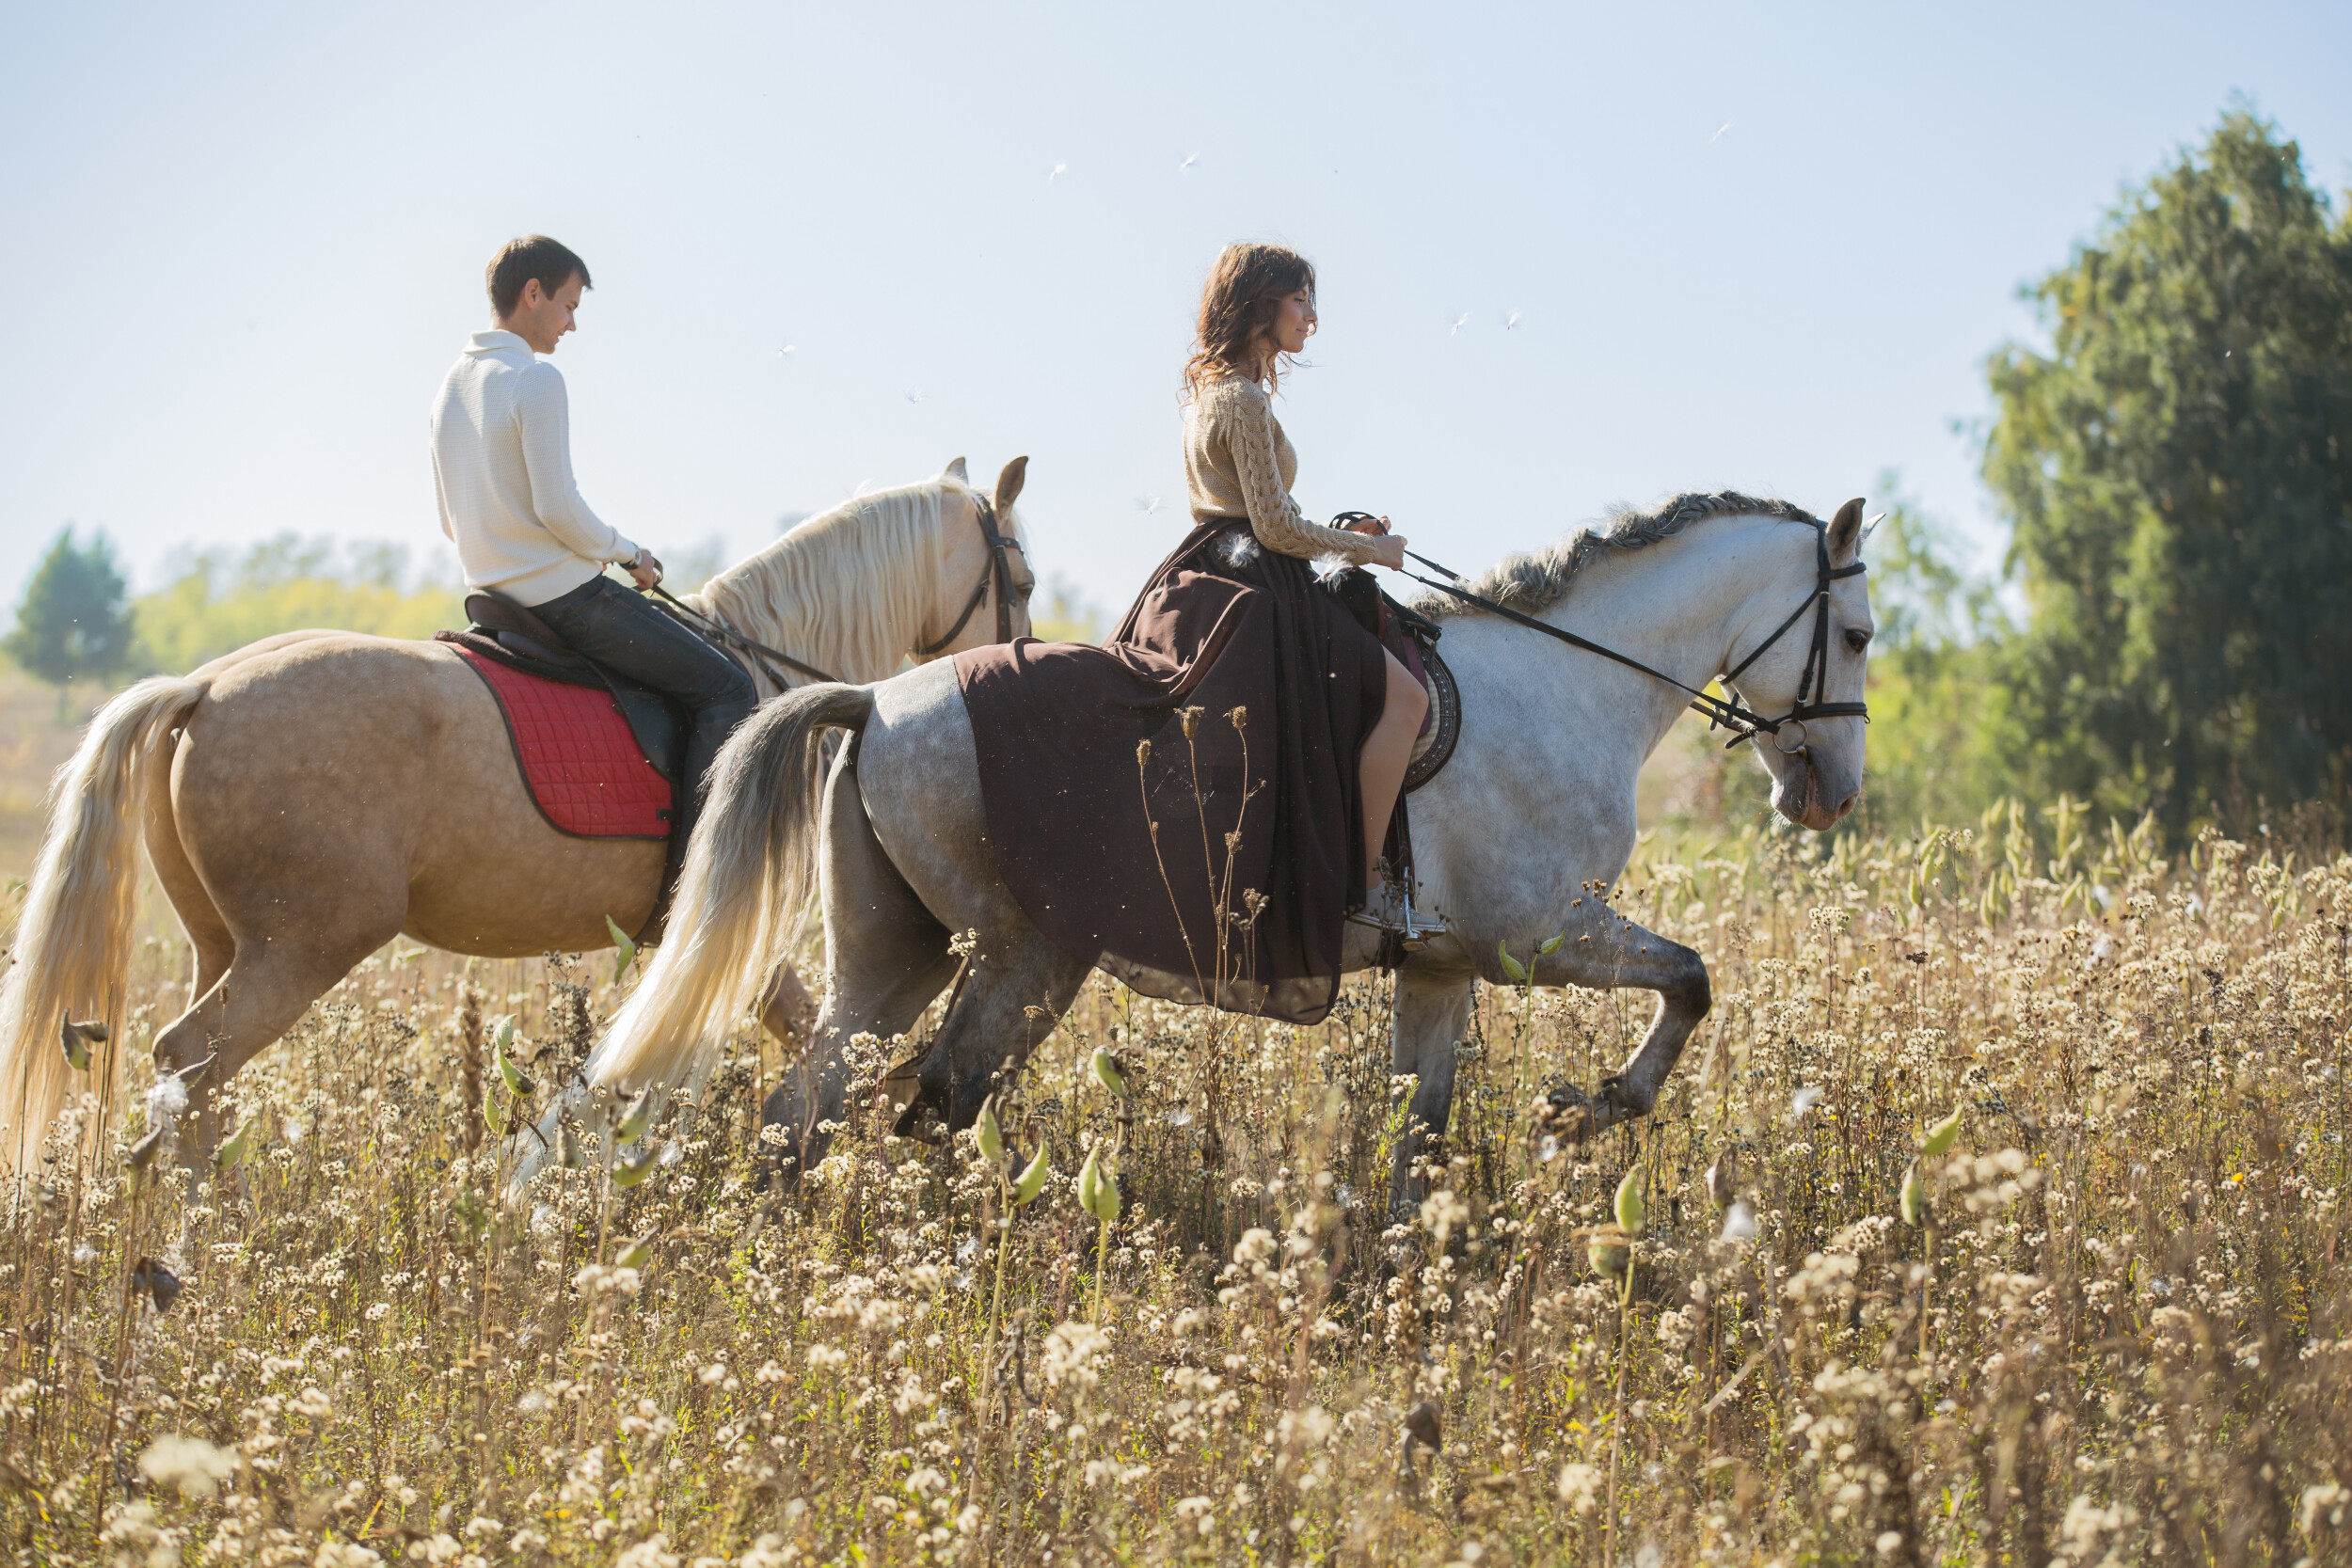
759,653
997,569
1732,715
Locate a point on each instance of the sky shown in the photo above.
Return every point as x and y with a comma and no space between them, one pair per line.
1571,255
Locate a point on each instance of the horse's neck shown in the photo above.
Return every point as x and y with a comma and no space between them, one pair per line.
1679,607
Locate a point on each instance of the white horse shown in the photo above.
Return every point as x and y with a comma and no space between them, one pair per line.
1536,810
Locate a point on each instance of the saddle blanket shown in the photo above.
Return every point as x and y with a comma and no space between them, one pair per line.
578,757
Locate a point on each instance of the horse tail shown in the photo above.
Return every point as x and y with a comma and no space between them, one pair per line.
74,943
748,876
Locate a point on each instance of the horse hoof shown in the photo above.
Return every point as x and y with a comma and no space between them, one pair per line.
1609,1105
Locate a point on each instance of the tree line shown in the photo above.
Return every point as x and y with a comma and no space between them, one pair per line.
2174,466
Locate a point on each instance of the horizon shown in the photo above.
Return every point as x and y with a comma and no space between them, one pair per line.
813,278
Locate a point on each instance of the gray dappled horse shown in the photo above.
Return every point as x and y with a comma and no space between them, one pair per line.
1535,809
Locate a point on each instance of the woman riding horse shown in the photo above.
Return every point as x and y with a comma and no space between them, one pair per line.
1266,720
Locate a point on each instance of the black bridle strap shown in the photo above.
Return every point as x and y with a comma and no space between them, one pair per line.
996,569
759,651
1732,715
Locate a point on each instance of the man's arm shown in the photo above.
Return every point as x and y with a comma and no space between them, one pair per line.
544,411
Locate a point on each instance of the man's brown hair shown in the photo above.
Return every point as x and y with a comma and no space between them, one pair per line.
518,261
1245,289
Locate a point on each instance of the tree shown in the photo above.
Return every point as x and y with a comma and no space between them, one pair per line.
2178,472
73,620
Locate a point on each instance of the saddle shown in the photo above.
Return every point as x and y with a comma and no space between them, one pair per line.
558,746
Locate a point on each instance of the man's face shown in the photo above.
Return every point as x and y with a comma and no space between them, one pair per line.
540,318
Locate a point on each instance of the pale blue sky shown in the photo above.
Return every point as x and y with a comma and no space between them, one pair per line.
1757,247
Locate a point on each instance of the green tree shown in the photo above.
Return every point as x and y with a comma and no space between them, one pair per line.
73,620
2178,470
1936,707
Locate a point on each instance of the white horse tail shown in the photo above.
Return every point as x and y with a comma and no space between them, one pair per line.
749,874
73,947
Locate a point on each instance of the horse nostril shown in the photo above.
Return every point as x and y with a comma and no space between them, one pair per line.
1846,804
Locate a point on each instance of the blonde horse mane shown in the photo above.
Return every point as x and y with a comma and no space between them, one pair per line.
881,546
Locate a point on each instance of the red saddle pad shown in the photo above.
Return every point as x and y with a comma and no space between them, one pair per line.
578,755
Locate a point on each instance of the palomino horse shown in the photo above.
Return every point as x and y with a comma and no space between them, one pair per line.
1534,810
310,797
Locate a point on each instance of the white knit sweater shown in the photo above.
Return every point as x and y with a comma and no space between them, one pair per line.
502,465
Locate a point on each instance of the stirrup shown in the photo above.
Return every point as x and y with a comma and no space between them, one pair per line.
1388,909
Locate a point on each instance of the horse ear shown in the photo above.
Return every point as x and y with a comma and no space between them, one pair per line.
1845,533
956,470
1009,483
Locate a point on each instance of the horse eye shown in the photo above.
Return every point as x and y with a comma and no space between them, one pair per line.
1857,639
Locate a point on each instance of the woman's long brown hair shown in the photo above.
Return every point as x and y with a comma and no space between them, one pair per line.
1237,307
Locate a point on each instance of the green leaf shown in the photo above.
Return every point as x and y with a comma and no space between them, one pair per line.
1511,966
1098,1189
229,1155
635,1117
1632,1209
625,950
1106,1071
1915,1199
630,1172
518,1083
76,1046
1032,1180
1939,1139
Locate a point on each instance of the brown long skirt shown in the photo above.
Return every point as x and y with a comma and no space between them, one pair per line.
1179,806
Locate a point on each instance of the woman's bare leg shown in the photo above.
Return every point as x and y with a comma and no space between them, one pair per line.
1386,755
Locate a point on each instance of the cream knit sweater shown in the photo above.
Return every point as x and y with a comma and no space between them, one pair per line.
1239,463
502,466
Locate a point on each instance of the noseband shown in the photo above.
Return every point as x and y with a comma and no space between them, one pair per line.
997,569
1732,715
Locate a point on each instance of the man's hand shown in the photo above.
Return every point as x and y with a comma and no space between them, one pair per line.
647,570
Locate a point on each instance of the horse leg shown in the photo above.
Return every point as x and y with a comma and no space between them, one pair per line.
1015,989
1604,951
885,958
1432,1008
208,933
266,988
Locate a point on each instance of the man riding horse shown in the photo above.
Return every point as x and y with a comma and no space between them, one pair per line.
502,467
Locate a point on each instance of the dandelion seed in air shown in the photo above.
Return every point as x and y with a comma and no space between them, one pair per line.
915,397
1719,131
1190,159
1459,321
1511,322
1059,169
1805,1099
786,351
1147,504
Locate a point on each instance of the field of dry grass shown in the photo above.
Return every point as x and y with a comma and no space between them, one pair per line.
2118,1333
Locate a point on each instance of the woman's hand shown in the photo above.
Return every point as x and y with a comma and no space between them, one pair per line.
1366,525
1389,552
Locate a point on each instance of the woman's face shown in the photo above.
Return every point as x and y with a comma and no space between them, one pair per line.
1294,321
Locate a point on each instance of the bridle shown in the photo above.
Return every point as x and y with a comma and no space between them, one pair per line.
997,569
1733,715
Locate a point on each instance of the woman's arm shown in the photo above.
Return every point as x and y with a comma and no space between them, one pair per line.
1274,517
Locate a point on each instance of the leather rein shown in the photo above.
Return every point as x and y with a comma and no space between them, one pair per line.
1732,715
997,569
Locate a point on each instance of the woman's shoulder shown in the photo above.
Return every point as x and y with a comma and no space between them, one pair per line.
1229,395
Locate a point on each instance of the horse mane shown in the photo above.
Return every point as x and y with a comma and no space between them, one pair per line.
877,552
1533,582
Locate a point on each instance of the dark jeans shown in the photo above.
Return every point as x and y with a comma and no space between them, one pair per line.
621,629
